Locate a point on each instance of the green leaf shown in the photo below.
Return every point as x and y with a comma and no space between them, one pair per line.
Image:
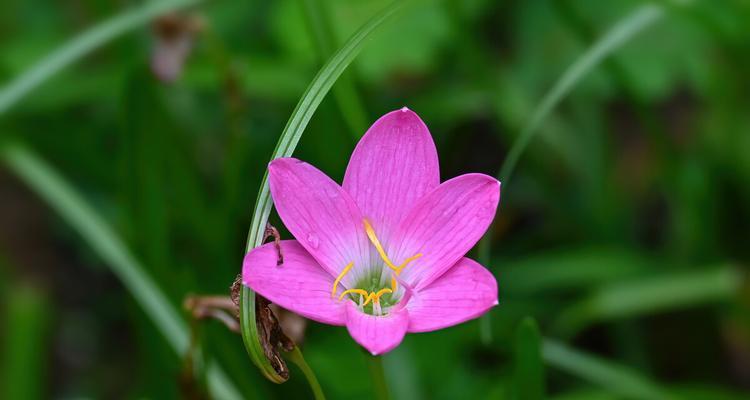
83,44
528,374
571,269
613,377
619,34
649,295
74,209
288,140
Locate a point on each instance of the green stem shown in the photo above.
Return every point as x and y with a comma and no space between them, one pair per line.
288,140
380,386
296,357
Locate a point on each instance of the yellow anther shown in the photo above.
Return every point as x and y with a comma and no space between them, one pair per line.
340,277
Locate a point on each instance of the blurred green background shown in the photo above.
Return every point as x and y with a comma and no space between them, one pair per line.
623,233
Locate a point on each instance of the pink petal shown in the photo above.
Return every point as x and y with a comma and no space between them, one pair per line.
394,165
321,216
465,292
299,284
376,334
444,225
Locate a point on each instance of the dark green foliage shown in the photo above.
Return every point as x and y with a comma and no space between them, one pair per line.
623,230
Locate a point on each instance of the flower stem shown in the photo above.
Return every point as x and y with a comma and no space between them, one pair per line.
296,357
375,365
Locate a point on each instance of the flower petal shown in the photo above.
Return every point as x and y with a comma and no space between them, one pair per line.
299,284
321,216
444,225
376,334
394,165
465,292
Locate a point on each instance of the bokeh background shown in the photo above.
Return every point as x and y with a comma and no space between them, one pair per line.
623,232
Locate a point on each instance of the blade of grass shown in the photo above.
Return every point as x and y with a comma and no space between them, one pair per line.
571,269
624,30
288,140
615,378
83,44
74,209
619,34
649,295
349,101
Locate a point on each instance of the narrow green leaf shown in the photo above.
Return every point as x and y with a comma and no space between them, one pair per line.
288,140
619,34
570,269
83,44
528,374
613,377
649,295
74,209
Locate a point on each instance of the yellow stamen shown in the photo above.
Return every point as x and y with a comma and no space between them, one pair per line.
375,297
378,246
340,277
372,296
375,242
408,260
358,291
366,296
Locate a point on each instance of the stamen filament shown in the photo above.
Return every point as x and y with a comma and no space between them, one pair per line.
340,277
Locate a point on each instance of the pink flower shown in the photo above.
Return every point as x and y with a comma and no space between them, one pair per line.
382,254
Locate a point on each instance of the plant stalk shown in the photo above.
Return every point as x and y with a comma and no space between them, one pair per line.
296,357
379,385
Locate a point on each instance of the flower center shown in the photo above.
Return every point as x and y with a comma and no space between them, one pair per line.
371,296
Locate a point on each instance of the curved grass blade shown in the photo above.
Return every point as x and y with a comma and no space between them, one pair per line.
81,45
619,34
649,295
72,207
615,378
314,94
